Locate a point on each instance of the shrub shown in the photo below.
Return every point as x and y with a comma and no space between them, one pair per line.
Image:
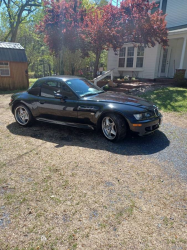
31,74
106,87
126,78
179,77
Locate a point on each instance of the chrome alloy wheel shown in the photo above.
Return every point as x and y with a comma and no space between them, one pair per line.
109,128
22,115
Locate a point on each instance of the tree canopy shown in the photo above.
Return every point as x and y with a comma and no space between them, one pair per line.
82,28
101,27
16,12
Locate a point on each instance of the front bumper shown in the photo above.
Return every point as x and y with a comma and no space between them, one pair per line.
146,127
10,106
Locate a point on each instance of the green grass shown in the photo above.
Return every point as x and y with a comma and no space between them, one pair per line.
169,99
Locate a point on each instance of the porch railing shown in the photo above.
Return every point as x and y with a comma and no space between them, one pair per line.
107,73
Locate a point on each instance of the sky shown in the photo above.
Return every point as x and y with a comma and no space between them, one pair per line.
116,2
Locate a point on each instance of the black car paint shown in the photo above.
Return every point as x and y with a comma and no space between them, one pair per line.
87,111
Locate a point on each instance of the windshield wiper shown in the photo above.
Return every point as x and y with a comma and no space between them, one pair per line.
89,94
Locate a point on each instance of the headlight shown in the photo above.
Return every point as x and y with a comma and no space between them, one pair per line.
142,116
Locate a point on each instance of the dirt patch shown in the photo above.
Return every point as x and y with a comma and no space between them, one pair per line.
178,119
149,87
66,188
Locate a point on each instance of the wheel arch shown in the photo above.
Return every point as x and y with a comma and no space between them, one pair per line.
104,113
20,121
16,104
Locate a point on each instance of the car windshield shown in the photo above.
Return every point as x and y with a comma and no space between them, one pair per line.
83,87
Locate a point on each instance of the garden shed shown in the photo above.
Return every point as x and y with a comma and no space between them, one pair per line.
13,66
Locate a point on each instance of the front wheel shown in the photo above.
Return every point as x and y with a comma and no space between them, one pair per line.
23,115
114,127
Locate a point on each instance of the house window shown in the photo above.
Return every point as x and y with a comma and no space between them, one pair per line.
140,56
122,53
4,69
155,8
130,57
164,6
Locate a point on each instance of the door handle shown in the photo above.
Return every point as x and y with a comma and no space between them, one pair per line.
41,102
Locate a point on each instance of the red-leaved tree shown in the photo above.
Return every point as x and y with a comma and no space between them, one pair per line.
99,28
61,23
140,25
109,26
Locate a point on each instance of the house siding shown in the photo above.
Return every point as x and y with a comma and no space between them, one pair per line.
185,63
112,62
176,50
176,13
150,63
149,67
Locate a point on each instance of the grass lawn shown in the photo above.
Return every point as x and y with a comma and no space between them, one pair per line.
169,99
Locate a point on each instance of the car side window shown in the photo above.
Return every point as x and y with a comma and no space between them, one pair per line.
67,92
49,88
35,88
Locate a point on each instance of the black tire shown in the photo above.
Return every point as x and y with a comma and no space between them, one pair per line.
23,115
114,127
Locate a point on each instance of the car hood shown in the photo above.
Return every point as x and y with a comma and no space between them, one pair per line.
121,98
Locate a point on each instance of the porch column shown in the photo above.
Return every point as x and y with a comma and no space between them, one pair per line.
112,75
183,53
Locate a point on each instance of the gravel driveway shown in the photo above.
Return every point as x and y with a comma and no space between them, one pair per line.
168,145
66,188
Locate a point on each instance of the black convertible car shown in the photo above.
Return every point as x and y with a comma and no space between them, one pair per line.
76,102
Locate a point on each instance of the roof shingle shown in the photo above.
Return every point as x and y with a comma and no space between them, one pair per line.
12,52
8,45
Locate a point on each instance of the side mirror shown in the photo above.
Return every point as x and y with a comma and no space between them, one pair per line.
58,96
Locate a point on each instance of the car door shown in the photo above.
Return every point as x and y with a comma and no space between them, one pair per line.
52,108
87,110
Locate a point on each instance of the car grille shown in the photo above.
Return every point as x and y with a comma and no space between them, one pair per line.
152,128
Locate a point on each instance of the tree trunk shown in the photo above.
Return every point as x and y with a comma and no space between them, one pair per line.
15,28
43,68
14,35
72,69
58,64
50,72
96,64
61,66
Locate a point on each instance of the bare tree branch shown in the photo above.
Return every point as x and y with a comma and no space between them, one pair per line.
15,12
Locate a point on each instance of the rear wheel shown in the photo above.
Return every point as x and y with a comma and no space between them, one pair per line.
114,127
23,115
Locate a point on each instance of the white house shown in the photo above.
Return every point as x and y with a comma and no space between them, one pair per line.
156,62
